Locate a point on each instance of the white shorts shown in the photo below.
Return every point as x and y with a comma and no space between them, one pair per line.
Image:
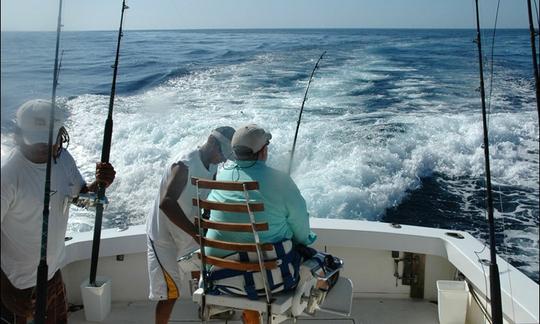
165,275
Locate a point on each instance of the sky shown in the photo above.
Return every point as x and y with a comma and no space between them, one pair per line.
41,15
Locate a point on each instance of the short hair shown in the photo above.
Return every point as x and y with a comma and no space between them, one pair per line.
244,153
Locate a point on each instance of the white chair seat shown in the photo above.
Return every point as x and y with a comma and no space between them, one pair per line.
282,302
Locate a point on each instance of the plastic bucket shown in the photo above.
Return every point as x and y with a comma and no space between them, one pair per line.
96,300
453,298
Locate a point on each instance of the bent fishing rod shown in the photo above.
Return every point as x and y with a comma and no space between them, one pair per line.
302,110
43,268
494,280
105,153
534,33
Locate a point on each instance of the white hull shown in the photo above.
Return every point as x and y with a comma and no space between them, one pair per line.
366,249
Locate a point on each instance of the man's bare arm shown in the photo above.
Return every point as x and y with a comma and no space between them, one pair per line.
169,202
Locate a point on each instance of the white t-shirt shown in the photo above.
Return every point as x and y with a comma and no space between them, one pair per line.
23,186
158,226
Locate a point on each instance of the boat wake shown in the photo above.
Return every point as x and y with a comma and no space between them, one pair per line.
388,132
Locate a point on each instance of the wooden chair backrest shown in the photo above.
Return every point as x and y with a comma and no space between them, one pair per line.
204,224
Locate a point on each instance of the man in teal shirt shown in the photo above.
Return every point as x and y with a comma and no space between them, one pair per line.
284,207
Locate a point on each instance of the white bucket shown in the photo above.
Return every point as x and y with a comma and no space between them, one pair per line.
453,298
96,300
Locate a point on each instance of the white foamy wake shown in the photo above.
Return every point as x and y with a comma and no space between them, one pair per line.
349,162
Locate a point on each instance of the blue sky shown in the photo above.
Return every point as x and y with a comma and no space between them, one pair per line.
187,14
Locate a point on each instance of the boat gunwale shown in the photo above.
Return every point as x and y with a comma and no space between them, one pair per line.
520,294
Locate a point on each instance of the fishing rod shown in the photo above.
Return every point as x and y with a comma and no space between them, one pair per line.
494,280
534,33
302,110
43,268
105,153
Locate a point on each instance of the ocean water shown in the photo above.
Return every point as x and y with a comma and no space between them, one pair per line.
391,131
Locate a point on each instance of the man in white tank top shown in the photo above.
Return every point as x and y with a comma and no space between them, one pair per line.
169,224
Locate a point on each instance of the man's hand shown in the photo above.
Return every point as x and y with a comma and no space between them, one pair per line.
105,173
206,214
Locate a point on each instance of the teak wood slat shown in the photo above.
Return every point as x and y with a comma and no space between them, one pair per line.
231,227
233,246
237,265
225,185
228,207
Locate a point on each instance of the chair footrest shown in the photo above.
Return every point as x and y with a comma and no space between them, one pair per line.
339,299
281,303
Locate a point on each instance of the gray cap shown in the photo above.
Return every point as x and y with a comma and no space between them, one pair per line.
33,119
224,135
251,137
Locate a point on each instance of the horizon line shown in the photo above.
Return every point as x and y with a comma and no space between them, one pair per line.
260,28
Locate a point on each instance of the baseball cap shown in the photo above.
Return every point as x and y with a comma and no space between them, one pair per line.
250,136
33,119
224,135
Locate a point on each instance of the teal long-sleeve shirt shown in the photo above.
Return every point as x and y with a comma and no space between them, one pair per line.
285,209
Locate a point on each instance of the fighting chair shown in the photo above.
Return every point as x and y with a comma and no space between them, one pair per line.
276,308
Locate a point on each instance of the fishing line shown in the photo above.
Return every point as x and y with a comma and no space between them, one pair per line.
500,191
506,251
533,34
475,52
491,60
499,187
302,110
480,260
537,14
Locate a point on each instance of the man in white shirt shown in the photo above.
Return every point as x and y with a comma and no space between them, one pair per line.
170,228
22,186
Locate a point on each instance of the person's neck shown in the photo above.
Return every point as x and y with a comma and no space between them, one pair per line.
32,157
204,153
251,162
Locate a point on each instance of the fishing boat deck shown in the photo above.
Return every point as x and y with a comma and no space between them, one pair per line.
364,311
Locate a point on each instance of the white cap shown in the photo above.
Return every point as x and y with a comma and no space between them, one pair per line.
251,137
224,135
33,119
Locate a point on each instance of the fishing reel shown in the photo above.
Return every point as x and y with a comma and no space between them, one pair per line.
316,298
89,200
190,263
325,270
